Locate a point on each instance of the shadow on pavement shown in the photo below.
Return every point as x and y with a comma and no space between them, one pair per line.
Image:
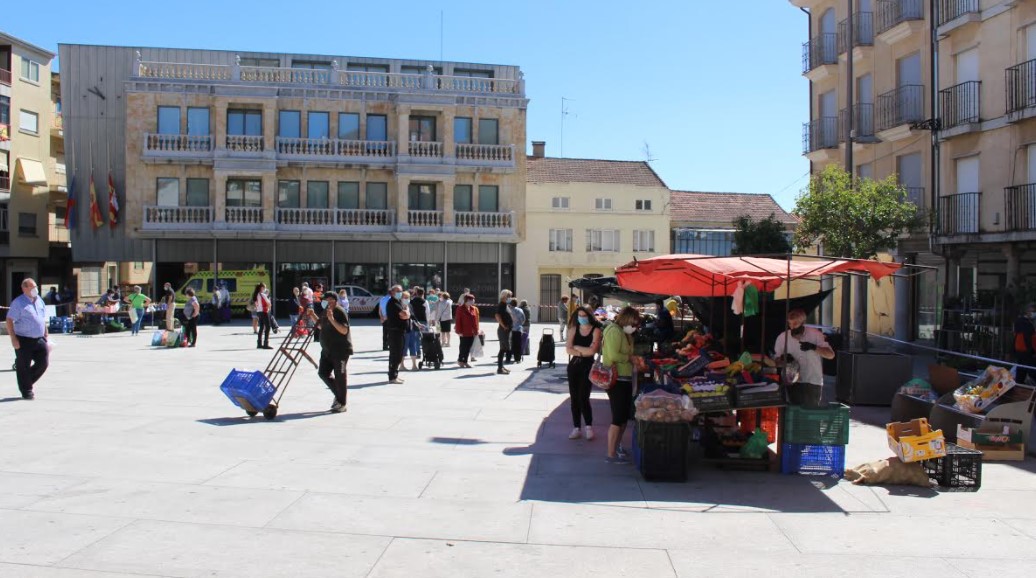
241,420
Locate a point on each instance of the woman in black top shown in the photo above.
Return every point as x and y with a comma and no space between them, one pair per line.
584,341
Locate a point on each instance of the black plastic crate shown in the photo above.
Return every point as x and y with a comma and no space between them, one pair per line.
718,402
661,450
758,399
960,468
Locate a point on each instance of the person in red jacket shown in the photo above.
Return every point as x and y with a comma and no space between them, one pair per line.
466,325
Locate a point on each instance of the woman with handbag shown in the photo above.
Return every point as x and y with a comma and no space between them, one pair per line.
617,353
584,342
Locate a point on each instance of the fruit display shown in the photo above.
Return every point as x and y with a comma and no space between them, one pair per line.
660,406
976,396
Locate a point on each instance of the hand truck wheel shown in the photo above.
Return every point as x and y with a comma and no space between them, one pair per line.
252,413
270,412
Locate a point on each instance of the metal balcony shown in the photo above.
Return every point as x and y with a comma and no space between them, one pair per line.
863,31
5,76
904,105
863,117
1020,207
820,50
892,13
821,133
1021,86
950,10
959,214
960,104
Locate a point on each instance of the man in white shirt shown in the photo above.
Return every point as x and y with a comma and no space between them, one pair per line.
807,347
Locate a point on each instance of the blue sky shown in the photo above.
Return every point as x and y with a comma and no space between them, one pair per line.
713,88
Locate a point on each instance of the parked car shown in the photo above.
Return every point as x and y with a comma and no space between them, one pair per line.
361,301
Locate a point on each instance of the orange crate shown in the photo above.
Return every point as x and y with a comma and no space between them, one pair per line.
747,419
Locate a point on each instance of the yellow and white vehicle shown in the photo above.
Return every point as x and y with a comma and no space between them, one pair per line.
239,283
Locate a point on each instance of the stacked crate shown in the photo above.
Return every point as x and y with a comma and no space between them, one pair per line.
814,440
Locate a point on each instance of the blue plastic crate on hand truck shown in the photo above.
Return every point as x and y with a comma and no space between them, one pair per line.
249,390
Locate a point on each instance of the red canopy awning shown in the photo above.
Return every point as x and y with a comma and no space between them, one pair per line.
704,276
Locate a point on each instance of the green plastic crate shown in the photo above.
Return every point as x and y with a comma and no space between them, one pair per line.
817,426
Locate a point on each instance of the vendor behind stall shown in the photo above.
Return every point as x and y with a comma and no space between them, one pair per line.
807,347
663,327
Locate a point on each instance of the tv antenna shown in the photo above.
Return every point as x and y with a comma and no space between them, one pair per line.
647,152
564,113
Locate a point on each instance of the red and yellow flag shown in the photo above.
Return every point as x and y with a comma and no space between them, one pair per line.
95,211
113,203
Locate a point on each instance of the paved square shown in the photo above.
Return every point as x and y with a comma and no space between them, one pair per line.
132,462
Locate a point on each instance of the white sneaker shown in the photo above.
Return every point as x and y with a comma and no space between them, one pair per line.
575,434
589,433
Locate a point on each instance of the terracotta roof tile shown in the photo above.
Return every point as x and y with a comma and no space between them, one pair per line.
701,207
563,170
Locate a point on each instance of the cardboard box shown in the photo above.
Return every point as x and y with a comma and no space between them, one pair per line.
914,441
995,446
1009,453
986,437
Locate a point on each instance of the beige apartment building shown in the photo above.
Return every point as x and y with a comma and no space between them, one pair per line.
585,217
33,240
359,171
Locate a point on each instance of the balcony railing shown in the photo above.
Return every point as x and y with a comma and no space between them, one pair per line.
863,117
424,149
952,9
863,31
244,143
244,215
334,219
177,218
485,153
5,184
960,104
334,77
424,219
5,76
489,221
365,218
959,214
892,13
306,147
1020,207
820,50
59,122
177,144
821,133
904,105
1021,86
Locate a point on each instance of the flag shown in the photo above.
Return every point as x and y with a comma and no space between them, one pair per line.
95,211
113,202
70,206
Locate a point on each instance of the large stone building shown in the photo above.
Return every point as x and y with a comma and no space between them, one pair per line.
585,218
353,170
33,240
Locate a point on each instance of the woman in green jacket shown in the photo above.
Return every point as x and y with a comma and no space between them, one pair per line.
617,351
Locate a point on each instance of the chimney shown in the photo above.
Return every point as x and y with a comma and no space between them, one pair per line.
538,147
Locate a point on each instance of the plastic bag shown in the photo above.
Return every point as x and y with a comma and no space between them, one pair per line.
476,348
662,406
976,396
756,446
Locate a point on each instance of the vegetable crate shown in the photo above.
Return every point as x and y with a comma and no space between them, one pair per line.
249,390
716,402
810,459
660,450
62,324
914,440
828,426
960,468
747,420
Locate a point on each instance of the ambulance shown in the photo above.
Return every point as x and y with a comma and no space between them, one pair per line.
239,284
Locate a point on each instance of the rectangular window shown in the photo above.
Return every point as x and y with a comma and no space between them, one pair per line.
288,194
409,69
289,123
5,110
30,70
168,120
644,205
643,241
550,290
138,265
349,126
560,240
472,73
244,122
348,195
376,196
559,203
462,198
421,197
360,67
167,192
311,65
462,130
26,224
197,192
422,128
198,121
488,198
244,193
488,131
265,62
28,122
377,127
318,125
602,240
316,194
603,204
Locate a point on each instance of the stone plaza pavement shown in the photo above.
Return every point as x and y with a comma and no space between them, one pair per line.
131,462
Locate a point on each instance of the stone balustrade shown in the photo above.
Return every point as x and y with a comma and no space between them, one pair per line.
333,147
177,143
245,143
244,215
424,219
479,220
487,153
424,149
177,218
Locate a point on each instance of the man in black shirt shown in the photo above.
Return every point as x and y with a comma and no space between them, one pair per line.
336,346
396,317
503,331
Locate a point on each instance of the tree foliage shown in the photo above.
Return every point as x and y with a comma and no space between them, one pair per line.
855,218
763,237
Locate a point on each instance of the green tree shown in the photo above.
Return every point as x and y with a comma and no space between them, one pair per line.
762,237
853,217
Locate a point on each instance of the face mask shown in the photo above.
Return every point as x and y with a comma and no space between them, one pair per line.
433,298
406,302
629,330
397,295
34,292
584,321
469,302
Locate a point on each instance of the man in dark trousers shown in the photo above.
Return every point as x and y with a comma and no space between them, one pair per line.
503,331
1024,328
396,317
27,326
336,346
